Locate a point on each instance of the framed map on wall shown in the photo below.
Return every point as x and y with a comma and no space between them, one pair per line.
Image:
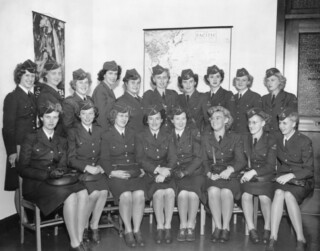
184,48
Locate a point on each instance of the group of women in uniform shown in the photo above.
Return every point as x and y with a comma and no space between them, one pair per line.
215,148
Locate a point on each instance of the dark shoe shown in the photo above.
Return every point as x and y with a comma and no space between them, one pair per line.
86,246
139,240
190,236
216,235
225,235
78,248
85,237
159,236
167,235
182,234
271,244
253,235
95,236
301,246
266,236
129,239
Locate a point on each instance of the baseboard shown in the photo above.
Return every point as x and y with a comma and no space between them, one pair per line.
9,223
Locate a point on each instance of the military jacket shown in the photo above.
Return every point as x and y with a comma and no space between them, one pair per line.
249,100
262,156
283,100
229,152
116,149
188,151
71,107
83,148
104,99
170,100
152,152
136,111
296,157
195,109
19,118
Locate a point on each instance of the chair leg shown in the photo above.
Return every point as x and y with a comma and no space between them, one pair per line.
38,228
255,211
120,226
56,227
21,223
202,219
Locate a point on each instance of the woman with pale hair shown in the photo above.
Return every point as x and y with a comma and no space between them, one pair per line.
223,159
277,99
295,177
244,100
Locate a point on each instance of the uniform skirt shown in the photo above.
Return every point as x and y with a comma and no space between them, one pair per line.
233,184
192,184
48,197
300,193
258,188
152,186
119,186
98,185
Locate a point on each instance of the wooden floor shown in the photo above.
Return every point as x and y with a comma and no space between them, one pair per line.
111,241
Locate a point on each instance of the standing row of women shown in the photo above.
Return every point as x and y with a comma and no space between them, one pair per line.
168,157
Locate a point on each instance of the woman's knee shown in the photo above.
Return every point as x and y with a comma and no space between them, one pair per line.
138,196
246,197
226,193
126,197
214,192
169,193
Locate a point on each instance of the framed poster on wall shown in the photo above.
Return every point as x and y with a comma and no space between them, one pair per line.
49,42
183,48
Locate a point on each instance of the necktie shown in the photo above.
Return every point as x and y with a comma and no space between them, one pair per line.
188,98
240,96
220,139
255,142
212,94
122,134
137,98
273,99
29,94
163,96
84,99
89,131
285,142
178,137
50,139
155,136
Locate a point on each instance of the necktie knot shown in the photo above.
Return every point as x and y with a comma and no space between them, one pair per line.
155,136
29,94
255,140
178,137
137,98
240,96
163,96
122,134
188,97
89,131
273,99
285,142
84,99
50,139
220,139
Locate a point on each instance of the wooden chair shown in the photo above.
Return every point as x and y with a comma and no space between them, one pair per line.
108,209
37,223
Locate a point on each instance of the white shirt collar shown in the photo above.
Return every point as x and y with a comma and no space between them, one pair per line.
243,92
81,96
215,91
47,134
120,130
87,127
179,133
288,137
25,89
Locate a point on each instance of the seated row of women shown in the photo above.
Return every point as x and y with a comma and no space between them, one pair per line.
216,168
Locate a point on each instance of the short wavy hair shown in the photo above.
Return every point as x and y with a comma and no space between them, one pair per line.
195,77
221,72
113,115
45,72
225,112
102,72
162,114
73,82
282,80
250,79
18,73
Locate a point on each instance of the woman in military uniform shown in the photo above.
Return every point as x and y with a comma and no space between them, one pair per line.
132,81
157,155
191,100
52,75
188,173
217,96
277,100
43,157
244,100
84,142
160,95
103,95
223,159
126,180
295,176
19,119
261,152
80,84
